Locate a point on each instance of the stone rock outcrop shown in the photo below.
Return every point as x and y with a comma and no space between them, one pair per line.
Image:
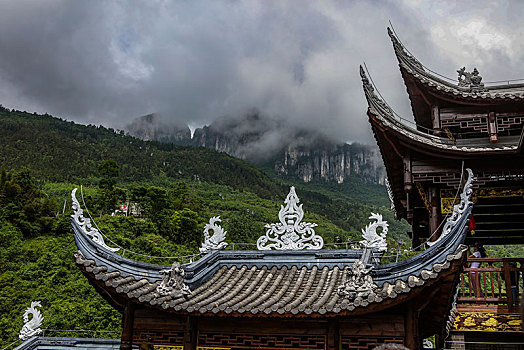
156,127
290,151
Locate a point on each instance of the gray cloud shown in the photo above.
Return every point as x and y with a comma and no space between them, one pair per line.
108,62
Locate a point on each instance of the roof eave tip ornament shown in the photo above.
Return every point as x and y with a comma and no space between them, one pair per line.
173,282
85,224
375,104
31,327
372,239
459,209
290,233
403,56
215,242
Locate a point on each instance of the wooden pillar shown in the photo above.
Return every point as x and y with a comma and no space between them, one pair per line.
435,216
435,118
412,340
333,337
190,334
408,178
492,128
128,319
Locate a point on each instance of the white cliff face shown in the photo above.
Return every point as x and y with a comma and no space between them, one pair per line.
156,127
335,163
302,154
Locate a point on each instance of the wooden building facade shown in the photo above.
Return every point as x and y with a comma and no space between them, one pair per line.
457,125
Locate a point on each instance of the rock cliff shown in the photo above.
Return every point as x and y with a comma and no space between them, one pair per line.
292,152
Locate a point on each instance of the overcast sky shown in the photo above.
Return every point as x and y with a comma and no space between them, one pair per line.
107,62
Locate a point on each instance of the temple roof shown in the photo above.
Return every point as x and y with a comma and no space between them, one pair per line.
270,282
60,343
382,115
495,93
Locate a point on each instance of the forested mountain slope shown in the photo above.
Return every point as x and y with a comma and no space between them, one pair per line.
57,150
175,190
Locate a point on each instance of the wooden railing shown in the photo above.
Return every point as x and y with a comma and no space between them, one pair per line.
495,286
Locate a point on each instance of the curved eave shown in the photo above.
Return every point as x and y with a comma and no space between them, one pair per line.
492,94
382,118
258,287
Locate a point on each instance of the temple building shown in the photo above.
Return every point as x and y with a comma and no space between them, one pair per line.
456,175
458,125
288,294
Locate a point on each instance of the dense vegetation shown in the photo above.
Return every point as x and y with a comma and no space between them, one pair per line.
173,192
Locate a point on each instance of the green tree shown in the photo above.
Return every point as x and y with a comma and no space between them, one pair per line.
109,171
184,227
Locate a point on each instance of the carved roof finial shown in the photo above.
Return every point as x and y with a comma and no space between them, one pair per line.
85,224
472,80
458,210
291,232
31,326
215,242
372,239
173,281
356,282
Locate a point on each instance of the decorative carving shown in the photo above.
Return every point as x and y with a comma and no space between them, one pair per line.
216,241
472,80
465,201
390,195
173,281
373,240
427,344
402,55
356,281
85,224
31,327
424,197
376,105
291,232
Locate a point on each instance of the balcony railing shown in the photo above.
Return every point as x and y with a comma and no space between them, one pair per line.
495,286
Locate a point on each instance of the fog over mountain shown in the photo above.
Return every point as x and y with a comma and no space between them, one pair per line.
108,62
291,150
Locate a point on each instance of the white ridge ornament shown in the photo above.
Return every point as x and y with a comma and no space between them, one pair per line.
373,240
290,233
31,327
216,241
465,202
85,224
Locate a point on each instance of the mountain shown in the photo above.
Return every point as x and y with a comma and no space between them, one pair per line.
156,127
62,151
332,162
292,152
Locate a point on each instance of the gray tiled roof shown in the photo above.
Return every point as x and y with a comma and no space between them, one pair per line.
58,343
269,282
412,66
385,115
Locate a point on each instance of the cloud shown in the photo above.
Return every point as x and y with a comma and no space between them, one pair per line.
109,62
